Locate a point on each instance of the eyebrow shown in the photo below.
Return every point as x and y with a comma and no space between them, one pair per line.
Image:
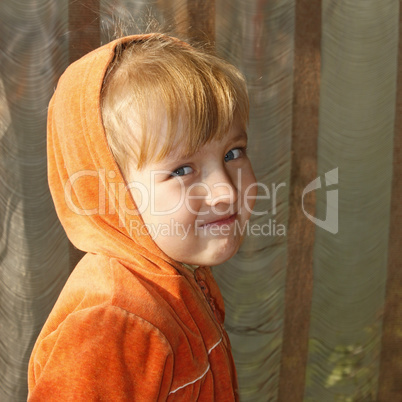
180,157
240,136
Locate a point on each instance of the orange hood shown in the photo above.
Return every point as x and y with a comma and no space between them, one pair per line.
87,186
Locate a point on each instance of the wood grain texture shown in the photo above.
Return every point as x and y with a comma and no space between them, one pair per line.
201,20
84,27
390,384
301,231
84,36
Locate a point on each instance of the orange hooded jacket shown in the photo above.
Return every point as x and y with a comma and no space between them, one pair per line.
131,324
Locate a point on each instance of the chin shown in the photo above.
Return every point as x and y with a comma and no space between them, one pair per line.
217,256
206,254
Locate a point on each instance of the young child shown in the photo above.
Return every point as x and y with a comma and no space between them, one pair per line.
152,119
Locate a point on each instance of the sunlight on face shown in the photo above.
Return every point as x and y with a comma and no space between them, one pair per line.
196,208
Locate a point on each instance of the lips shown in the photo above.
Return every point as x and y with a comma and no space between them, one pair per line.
226,220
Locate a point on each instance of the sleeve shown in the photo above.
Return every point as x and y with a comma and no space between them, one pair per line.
101,353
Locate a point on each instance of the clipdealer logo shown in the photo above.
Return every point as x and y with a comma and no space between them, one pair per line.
101,206
330,223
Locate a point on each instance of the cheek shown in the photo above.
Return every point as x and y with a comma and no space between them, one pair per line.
174,204
195,198
166,200
249,189
141,198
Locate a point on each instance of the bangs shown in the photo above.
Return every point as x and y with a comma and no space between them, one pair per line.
165,98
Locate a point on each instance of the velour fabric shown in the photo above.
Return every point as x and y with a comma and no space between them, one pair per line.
131,324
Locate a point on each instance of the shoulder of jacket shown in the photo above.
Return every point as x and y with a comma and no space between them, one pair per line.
95,337
105,320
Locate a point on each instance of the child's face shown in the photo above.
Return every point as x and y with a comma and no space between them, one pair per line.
196,208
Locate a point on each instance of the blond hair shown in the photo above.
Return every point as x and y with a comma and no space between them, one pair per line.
161,94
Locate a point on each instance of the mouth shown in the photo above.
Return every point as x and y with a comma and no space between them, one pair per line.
226,220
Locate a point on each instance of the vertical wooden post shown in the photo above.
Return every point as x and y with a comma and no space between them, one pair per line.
84,30
390,384
201,20
301,232
83,26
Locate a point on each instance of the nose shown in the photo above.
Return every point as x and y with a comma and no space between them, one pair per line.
222,188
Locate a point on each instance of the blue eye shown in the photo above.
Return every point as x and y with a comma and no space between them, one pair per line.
233,154
182,171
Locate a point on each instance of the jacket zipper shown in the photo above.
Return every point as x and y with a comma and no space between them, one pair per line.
210,300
